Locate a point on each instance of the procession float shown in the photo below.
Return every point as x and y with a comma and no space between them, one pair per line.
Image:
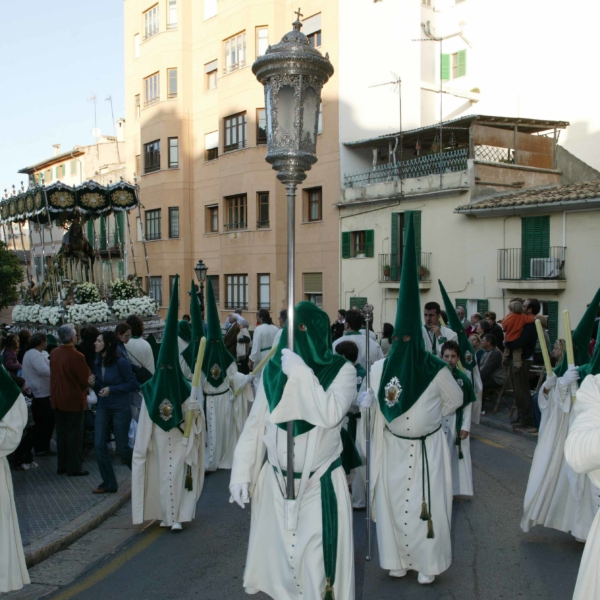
83,277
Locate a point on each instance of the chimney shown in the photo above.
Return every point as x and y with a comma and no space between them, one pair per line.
56,149
121,130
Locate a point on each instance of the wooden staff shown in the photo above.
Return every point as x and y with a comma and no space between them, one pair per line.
570,352
544,348
189,419
257,370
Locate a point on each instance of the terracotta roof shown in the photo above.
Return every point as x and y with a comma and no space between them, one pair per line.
537,196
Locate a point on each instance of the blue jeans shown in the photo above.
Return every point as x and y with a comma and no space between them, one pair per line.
120,419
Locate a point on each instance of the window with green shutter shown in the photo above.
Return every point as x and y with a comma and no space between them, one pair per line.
63,170
445,67
90,234
119,228
482,307
399,221
358,244
535,242
370,243
552,322
103,234
416,214
345,244
461,63
461,303
358,301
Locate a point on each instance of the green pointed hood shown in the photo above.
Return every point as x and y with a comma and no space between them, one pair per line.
168,389
216,357
582,337
409,368
9,392
184,331
312,342
467,352
593,367
197,323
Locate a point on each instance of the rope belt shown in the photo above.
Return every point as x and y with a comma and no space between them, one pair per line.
425,513
217,394
458,440
265,349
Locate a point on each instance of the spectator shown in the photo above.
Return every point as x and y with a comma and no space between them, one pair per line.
512,325
283,317
36,371
140,354
123,333
476,343
231,337
337,328
460,311
482,327
242,349
475,318
386,339
22,457
10,349
185,318
558,351
113,382
24,337
496,331
86,345
491,368
69,380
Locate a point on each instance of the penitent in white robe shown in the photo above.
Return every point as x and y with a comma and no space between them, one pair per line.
185,369
431,344
13,571
289,564
462,471
582,452
225,418
159,468
375,352
397,479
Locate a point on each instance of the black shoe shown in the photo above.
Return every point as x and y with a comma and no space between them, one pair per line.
46,453
61,472
79,474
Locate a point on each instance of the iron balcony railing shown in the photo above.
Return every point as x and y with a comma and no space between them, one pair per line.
390,267
428,164
514,264
233,305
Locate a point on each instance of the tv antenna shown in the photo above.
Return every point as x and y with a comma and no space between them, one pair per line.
112,112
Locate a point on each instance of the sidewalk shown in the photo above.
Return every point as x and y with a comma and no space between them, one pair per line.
55,510
501,419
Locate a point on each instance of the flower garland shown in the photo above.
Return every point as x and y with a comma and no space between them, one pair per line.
92,312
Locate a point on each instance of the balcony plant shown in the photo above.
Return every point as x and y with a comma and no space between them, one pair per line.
386,269
423,273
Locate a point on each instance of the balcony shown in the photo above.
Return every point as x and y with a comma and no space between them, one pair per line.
390,269
519,271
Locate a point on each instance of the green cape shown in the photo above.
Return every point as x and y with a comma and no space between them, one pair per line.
197,323
184,331
593,367
465,385
216,357
312,342
582,337
467,352
409,368
9,392
168,389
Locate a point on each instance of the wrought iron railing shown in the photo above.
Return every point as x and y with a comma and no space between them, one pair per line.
262,224
516,265
428,164
390,267
233,305
235,225
237,146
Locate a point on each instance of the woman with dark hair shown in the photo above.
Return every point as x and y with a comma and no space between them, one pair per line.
24,337
88,338
10,349
114,382
140,354
386,340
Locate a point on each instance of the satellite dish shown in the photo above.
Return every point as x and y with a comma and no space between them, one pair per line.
96,133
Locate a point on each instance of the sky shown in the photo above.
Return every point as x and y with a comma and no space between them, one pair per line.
53,58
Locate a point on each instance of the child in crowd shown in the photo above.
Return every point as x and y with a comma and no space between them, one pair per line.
513,324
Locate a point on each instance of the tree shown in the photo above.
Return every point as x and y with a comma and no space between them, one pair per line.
11,275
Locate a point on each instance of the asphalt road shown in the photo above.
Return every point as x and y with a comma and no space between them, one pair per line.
493,559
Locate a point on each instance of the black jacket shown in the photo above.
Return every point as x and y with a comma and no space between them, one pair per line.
499,335
526,341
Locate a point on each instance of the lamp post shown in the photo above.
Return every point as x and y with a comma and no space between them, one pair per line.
293,73
200,269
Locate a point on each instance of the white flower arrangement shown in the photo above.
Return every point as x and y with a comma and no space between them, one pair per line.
142,307
92,312
86,293
49,315
123,289
26,313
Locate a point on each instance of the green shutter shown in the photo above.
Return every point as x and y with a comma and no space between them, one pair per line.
359,301
119,228
395,267
102,233
121,269
535,242
482,307
445,67
461,67
345,244
552,322
90,233
461,302
417,225
63,170
370,243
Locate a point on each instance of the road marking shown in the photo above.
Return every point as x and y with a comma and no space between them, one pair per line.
502,447
112,566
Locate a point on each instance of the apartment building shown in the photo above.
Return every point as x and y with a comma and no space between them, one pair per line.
197,141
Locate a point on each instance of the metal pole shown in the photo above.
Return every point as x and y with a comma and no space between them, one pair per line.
291,271
367,311
441,113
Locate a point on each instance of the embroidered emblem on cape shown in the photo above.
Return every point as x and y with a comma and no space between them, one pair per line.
392,392
468,357
165,408
215,371
460,382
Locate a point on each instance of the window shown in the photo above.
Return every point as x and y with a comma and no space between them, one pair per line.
262,210
214,280
152,156
357,302
320,122
237,291
152,89
151,22
49,175
210,9
212,219
211,145
138,164
314,204
137,106
119,229
174,222
472,305
171,286
236,212
173,153
399,220
172,14
155,289
37,261
235,53
236,135
172,83
312,284
535,242
63,170
262,40
311,28
153,224
211,74
136,45
315,39
73,167
261,126
358,244
426,2
454,65
264,291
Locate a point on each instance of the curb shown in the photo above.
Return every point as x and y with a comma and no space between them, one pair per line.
494,424
65,535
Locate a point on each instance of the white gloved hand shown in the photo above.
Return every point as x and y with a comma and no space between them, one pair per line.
289,361
366,399
194,406
571,376
248,379
550,382
239,493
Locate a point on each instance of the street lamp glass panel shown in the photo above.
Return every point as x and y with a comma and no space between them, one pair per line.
309,119
286,109
200,270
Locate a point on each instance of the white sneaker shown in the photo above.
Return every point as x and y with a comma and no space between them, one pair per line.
163,524
425,579
33,465
251,591
25,467
398,572
176,526
580,540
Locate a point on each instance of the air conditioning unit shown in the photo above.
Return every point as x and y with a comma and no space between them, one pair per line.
544,268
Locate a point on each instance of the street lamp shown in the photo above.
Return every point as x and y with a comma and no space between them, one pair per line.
200,270
293,73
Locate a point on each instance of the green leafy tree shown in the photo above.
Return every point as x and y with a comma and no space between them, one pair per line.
11,275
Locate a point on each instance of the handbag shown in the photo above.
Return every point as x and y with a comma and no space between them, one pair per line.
141,373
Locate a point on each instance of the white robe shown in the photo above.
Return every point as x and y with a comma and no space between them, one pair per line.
582,452
289,564
158,470
446,332
262,342
13,571
359,339
462,471
225,418
397,479
548,457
